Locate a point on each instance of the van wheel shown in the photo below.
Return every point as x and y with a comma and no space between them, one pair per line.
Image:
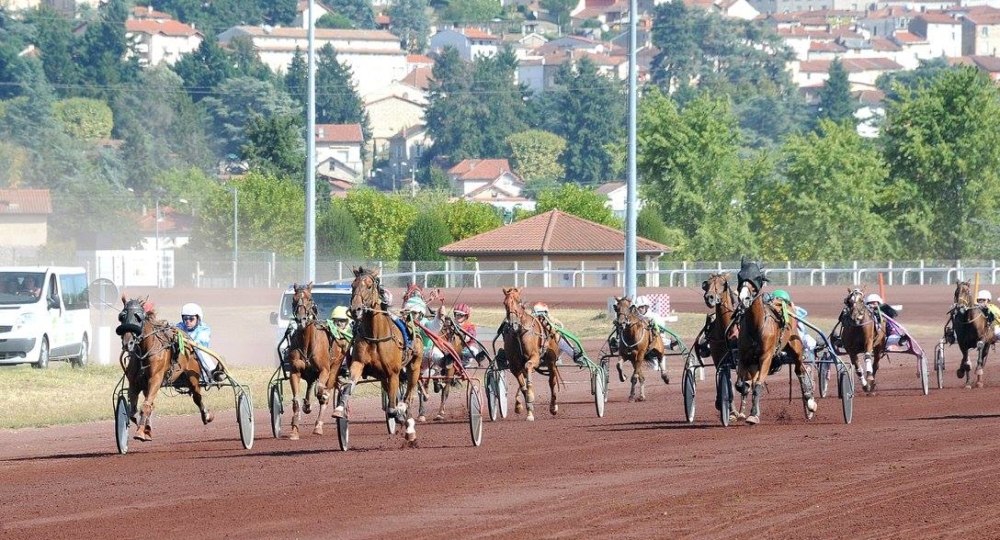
84,356
43,354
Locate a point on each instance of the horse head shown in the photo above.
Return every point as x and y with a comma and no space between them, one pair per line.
750,281
716,288
131,318
963,294
303,306
623,311
855,302
364,291
512,304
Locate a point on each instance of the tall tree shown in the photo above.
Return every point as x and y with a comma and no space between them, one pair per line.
103,50
424,237
589,113
942,143
467,218
338,102
84,118
383,220
463,12
274,145
246,61
297,77
410,23
54,38
581,202
359,12
536,154
337,234
238,100
205,69
835,101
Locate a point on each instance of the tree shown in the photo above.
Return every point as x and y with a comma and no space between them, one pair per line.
338,102
467,218
337,234
835,101
297,78
242,98
589,113
204,69
359,12
581,202
334,21
649,225
265,204
895,83
102,53
942,144
190,184
690,163
536,154
246,61
54,36
383,220
675,30
423,239
559,9
275,145
410,23
462,12
84,118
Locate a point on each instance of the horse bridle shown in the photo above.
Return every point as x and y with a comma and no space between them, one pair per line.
855,302
625,320
132,318
303,308
369,298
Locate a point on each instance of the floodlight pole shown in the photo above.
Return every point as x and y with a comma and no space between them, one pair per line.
630,185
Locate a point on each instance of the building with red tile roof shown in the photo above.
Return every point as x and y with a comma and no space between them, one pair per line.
157,41
24,217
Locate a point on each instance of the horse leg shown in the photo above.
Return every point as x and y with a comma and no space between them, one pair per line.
449,372
805,383
294,380
618,366
344,398
413,384
553,381
963,367
522,386
144,432
399,409
758,391
322,397
869,372
529,388
307,398
980,362
743,387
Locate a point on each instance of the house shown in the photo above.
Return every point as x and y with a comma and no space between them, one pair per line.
338,151
374,56
617,195
538,73
24,217
157,41
490,181
942,31
981,32
861,72
469,42
302,13
405,149
559,249
989,65
390,114
420,78
162,227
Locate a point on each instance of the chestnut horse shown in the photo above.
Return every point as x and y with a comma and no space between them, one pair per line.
864,332
379,349
636,341
720,297
529,343
971,331
313,355
764,334
154,354
453,336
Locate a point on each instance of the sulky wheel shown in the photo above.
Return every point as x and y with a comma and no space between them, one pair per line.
845,387
343,431
121,425
475,414
823,375
491,403
688,387
274,406
724,393
501,394
922,369
598,389
244,417
939,363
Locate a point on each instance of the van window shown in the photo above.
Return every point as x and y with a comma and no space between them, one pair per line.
20,287
74,291
325,302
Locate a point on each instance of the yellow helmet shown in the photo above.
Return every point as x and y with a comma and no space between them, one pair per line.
339,312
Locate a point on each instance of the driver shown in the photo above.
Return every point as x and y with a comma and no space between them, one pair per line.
194,326
985,301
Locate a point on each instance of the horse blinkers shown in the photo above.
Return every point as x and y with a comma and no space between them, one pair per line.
131,318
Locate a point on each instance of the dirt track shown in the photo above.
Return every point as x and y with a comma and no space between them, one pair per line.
908,466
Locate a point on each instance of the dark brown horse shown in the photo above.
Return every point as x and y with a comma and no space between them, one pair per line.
720,297
313,356
379,350
765,332
971,331
864,333
154,354
529,343
636,342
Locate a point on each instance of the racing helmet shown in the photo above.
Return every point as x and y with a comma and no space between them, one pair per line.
641,301
873,297
190,309
415,305
540,308
783,294
387,297
462,309
984,295
339,312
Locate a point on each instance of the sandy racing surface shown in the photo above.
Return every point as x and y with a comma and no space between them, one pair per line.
909,466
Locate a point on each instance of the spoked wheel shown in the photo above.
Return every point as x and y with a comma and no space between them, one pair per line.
939,363
121,425
244,417
343,431
724,391
274,405
475,415
491,403
500,394
597,388
688,387
845,386
823,376
922,368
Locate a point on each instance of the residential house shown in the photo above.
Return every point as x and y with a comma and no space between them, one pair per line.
538,73
406,149
861,72
338,151
24,217
870,113
391,113
157,41
733,9
767,7
886,22
469,42
557,249
302,13
617,195
942,31
490,181
415,61
989,65
162,227
609,13
981,32
915,49
420,78
374,56
573,43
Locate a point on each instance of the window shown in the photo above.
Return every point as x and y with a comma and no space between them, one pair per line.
74,291
985,31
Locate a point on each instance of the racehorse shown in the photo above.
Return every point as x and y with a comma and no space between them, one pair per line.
379,349
765,333
452,335
313,355
719,297
636,341
154,354
971,331
863,333
529,343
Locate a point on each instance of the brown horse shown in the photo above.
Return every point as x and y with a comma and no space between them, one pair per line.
764,334
313,356
971,330
636,343
529,343
154,354
720,297
379,349
864,333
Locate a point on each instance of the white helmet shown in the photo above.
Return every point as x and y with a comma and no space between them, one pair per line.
984,295
415,305
873,297
641,301
191,309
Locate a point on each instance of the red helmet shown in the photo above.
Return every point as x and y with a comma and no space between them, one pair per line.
462,309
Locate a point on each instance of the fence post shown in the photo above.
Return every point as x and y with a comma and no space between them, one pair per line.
515,273
618,273
890,272
197,273
854,274
822,275
788,277
684,278
413,273
447,273
583,274
921,271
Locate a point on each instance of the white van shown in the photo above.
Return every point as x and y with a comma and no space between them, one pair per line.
44,315
326,296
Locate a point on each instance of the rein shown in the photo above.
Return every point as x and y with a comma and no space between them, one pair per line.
631,319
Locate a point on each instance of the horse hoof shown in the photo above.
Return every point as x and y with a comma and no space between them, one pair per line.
421,418
979,372
811,405
621,374
518,408
294,436
318,430
554,409
979,384
307,408
338,412
666,378
962,371
753,420
207,418
641,398
439,417
531,416
631,399
968,387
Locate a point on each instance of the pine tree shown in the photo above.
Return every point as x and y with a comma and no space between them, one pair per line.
338,101
835,101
